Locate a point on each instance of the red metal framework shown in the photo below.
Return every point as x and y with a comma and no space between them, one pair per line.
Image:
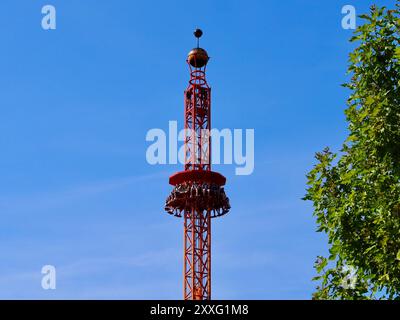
198,193
197,121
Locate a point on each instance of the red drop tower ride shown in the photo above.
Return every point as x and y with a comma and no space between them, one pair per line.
198,194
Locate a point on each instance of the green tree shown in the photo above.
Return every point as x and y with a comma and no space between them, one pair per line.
356,193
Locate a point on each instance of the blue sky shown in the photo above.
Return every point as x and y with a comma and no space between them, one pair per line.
76,103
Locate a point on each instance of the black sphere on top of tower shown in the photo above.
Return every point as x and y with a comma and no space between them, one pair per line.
198,33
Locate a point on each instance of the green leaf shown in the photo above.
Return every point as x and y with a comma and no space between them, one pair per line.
397,53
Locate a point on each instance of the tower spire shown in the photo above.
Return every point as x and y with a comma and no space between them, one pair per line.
198,33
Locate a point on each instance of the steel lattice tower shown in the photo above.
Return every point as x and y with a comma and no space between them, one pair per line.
198,193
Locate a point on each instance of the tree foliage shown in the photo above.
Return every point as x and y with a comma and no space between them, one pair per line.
356,193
